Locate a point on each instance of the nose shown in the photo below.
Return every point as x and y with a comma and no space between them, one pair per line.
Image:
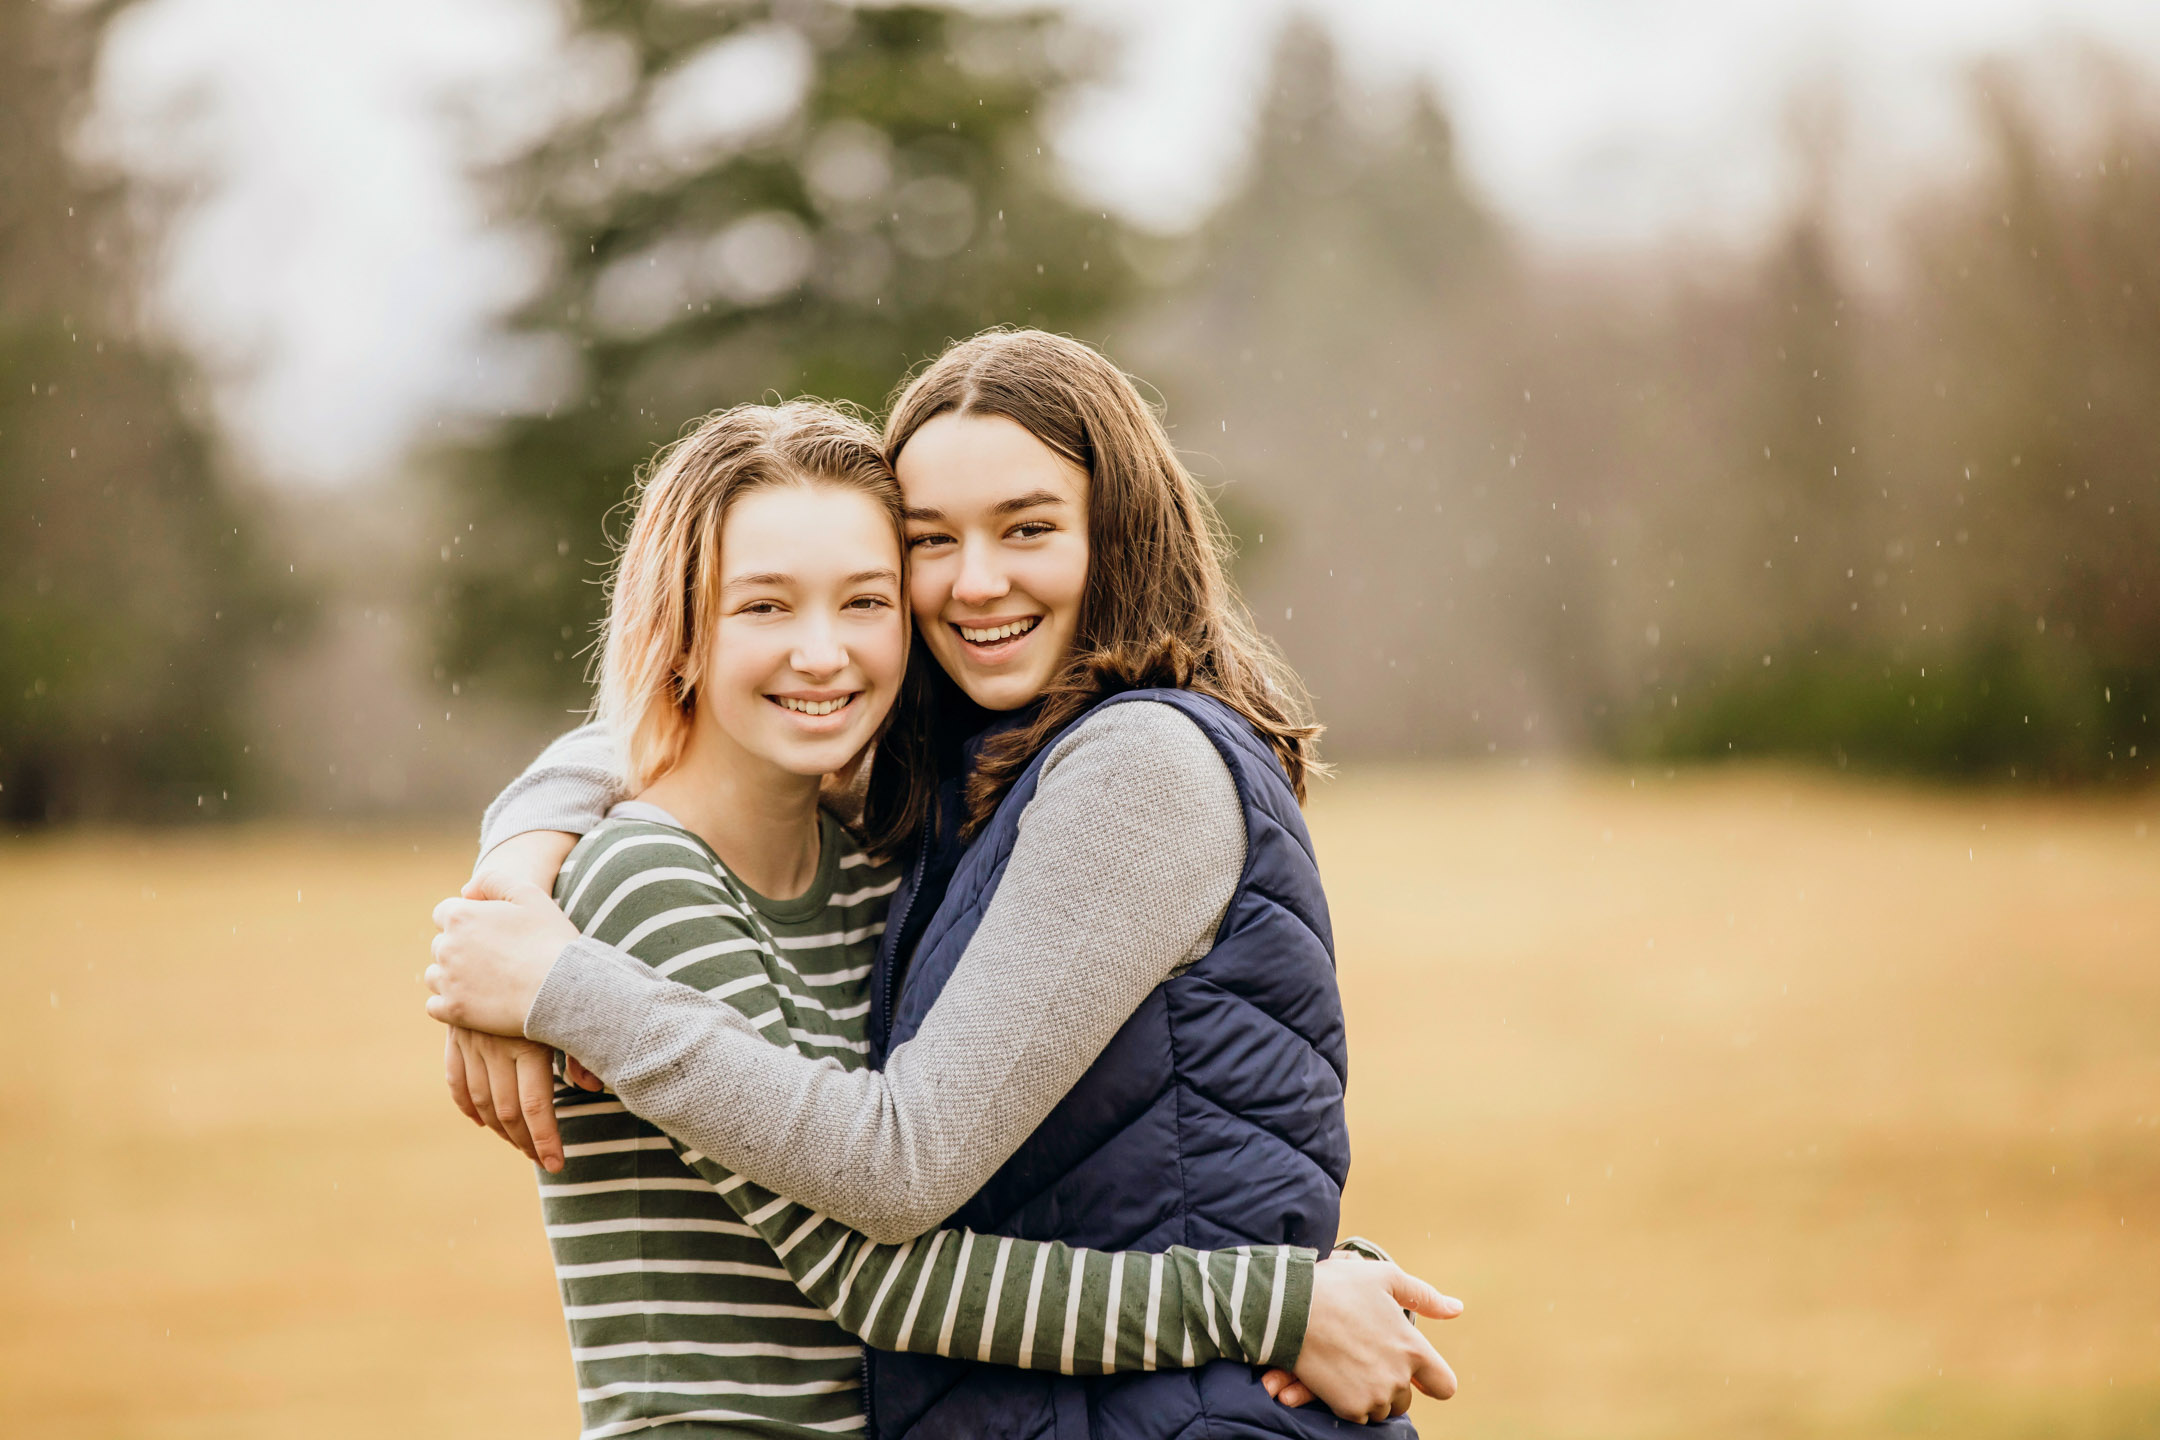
818,650
981,579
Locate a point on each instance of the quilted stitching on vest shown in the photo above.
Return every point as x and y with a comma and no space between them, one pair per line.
1213,1118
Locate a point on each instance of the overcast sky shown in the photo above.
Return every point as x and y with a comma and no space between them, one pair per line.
337,276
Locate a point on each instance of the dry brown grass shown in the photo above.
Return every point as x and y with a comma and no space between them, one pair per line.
1734,1105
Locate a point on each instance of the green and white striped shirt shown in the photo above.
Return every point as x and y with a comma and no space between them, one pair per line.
700,1301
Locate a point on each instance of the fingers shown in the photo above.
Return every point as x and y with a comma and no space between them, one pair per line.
1399,1402
454,1073
1274,1381
1361,1412
503,1087
1414,1294
536,1097
451,909
443,1007
1432,1374
1295,1394
476,1082
575,1072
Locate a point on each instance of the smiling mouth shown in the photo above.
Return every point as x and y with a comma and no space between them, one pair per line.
812,707
991,635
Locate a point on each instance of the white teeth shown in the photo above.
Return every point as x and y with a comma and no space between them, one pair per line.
813,707
999,632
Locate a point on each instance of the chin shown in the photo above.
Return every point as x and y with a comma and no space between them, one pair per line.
821,757
1009,692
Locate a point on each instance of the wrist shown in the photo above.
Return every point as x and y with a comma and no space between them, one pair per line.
1298,1263
1363,1248
592,1004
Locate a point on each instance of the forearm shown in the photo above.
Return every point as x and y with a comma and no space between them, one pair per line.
1040,1305
1121,868
696,1067
534,856
1044,1305
569,788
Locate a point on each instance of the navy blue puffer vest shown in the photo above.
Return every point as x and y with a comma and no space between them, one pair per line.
1214,1118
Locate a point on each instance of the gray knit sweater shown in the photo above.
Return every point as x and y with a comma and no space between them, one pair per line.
1125,860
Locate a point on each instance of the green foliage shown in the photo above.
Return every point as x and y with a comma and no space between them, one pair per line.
129,594
1989,709
906,200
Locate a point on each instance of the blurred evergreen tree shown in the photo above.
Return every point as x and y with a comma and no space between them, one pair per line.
1338,348
128,594
902,195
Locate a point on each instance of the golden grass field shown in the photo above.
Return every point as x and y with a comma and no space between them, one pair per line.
1733,1105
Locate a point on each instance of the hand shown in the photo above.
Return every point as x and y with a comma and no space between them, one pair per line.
1361,1354
509,1086
498,942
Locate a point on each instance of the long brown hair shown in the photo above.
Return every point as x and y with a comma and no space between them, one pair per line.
664,592
1158,609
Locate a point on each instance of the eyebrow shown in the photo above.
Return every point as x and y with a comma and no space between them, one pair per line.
770,578
1029,501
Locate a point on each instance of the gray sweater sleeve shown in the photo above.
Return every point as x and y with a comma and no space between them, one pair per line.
570,788
1125,860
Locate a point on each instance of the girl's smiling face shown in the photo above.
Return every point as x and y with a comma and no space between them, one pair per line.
811,641
998,553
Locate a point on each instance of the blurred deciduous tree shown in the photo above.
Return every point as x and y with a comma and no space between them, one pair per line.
1971,461
766,199
128,595
1689,503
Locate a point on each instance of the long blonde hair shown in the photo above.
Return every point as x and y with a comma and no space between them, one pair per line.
664,594
1158,608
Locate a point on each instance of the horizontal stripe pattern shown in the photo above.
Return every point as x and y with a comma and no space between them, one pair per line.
680,1312
697,1300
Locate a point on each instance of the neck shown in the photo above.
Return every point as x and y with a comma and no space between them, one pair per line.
760,820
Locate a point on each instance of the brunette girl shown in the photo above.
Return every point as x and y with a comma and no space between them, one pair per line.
1104,1003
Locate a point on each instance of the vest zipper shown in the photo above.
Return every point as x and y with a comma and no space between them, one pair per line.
892,969
892,981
